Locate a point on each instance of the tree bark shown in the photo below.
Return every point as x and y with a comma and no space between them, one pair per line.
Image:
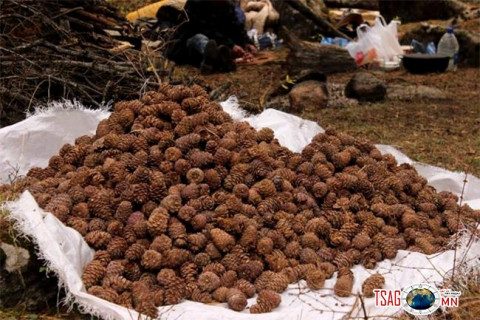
320,21
358,4
316,57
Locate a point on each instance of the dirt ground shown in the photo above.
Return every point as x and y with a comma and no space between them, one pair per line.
444,133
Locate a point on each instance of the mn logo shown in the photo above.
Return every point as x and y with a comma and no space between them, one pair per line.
417,299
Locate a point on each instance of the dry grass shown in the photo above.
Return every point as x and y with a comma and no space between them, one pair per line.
441,133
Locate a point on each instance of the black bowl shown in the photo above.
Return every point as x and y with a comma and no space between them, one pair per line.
424,63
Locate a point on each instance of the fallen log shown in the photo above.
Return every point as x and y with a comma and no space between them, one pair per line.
357,4
305,55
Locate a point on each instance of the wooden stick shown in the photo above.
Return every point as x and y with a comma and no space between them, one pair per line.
320,21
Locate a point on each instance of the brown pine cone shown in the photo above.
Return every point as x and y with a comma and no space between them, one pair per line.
116,282
175,257
151,260
260,308
343,286
361,241
104,293
208,281
158,221
327,268
267,300
375,281
220,294
222,240
265,245
188,271
315,279
161,243
93,273
98,239
250,270
78,224
302,269
228,279
134,252
278,282
246,287
236,299
99,205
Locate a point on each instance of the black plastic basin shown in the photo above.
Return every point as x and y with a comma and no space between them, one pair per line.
424,63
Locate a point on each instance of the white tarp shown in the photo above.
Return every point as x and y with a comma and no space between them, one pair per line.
32,141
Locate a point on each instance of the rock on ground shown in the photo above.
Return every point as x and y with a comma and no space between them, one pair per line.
308,96
365,86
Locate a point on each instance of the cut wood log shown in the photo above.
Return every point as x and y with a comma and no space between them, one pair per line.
357,4
314,56
320,21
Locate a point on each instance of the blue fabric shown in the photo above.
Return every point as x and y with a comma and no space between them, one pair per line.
240,14
197,43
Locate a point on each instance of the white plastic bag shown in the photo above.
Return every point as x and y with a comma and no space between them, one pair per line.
387,37
375,43
367,48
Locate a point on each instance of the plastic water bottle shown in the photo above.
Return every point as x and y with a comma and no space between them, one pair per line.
448,46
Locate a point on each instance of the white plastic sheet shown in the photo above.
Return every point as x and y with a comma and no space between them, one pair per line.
66,252
31,143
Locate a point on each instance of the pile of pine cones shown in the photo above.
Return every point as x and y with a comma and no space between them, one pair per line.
180,202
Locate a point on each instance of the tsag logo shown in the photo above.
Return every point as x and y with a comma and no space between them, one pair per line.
387,298
417,299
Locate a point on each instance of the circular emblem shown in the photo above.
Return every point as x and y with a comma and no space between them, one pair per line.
420,299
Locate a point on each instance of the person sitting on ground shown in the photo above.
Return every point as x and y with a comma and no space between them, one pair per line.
212,37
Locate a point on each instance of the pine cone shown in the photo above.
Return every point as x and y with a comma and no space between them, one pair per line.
176,257
267,300
375,281
343,286
104,293
208,281
222,240
134,252
158,221
228,279
99,205
161,243
151,260
93,273
265,246
220,294
250,270
278,282
236,299
361,241
98,239
315,279
246,287
116,282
